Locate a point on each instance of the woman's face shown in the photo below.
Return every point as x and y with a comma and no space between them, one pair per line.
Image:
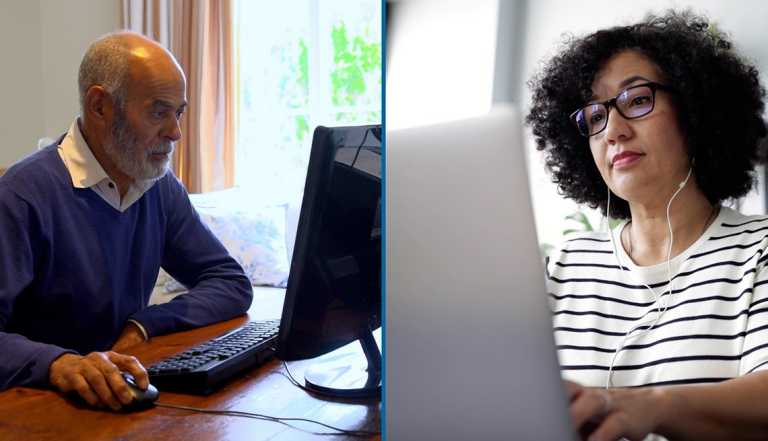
644,159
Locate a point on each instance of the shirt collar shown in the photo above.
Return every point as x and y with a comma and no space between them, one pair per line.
83,167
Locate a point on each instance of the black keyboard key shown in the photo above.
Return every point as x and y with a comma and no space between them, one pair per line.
203,368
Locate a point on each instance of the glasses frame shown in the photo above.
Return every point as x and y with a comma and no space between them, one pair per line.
611,103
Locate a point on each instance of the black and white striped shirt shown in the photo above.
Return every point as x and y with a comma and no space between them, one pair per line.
716,325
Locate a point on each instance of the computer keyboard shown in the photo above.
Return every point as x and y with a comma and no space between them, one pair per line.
201,369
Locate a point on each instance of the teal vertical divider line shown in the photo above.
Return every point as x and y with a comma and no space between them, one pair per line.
383,215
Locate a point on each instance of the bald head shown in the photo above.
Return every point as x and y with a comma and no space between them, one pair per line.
115,59
132,97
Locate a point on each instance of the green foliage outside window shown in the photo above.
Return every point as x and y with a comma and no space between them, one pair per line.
356,64
356,59
352,61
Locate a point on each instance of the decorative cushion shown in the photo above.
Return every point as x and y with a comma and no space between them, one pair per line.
254,236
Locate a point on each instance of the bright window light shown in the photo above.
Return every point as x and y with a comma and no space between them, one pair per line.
302,63
442,61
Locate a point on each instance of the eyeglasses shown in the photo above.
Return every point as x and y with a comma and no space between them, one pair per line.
632,102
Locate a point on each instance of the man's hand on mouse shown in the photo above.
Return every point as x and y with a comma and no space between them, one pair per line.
96,377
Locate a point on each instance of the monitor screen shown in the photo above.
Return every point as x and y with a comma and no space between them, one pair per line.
334,287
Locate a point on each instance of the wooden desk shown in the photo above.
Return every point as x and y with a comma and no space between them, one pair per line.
31,414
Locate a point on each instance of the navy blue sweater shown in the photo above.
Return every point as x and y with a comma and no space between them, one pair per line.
73,269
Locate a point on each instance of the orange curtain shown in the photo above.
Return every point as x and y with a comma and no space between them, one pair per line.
199,33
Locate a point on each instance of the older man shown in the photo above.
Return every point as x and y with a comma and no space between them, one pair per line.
86,223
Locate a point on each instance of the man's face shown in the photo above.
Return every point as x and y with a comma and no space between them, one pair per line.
146,125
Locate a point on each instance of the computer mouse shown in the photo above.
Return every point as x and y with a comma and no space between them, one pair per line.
142,399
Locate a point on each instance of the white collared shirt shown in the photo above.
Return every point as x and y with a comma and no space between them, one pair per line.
86,172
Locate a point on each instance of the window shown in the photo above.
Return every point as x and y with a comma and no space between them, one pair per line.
302,63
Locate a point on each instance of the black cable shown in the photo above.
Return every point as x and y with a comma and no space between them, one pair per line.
281,420
294,381
357,152
355,433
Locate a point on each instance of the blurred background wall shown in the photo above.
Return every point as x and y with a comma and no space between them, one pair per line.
453,59
42,42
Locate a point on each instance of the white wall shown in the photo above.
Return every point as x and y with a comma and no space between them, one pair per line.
20,78
548,20
42,42
68,27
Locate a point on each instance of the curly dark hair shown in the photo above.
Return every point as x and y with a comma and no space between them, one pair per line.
719,103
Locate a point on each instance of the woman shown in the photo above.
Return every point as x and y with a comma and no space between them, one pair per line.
661,324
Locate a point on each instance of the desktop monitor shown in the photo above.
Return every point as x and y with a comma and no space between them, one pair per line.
334,286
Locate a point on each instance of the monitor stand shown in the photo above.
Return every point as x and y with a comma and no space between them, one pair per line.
348,375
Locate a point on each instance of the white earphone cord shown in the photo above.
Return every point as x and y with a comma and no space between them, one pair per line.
656,297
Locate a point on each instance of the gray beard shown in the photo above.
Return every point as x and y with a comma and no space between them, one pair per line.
124,151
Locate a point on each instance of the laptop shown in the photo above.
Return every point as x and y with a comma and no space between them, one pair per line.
469,346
